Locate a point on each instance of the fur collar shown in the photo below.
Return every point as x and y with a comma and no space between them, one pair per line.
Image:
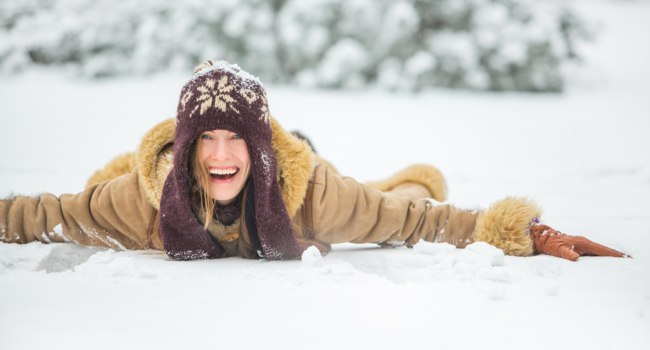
295,161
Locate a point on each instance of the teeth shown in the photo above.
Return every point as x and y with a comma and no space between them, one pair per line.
229,171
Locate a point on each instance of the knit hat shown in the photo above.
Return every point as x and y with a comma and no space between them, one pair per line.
221,95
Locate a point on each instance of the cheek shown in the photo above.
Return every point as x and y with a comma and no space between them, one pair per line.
244,157
246,162
202,150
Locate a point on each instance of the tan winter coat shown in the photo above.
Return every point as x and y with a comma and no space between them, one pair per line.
119,208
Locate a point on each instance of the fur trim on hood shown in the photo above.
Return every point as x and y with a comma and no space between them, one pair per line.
155,159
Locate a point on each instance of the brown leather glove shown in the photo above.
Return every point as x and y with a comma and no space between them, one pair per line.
549,241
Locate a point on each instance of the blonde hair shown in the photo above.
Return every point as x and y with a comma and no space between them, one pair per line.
200,184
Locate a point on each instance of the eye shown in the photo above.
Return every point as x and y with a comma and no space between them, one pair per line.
206,137
236,137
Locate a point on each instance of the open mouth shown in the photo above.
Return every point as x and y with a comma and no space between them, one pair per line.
223,174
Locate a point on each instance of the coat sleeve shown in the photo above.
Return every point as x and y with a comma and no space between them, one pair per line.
344,210
114,214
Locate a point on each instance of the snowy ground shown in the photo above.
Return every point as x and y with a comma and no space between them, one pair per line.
581,155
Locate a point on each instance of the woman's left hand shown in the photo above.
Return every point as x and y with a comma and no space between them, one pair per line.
549,241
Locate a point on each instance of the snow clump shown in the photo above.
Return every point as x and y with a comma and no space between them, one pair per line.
311,256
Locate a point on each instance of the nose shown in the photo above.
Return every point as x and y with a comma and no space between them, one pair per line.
220,150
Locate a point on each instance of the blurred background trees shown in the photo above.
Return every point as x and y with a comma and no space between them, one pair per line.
404,45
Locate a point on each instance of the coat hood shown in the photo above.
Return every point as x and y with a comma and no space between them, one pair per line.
295,163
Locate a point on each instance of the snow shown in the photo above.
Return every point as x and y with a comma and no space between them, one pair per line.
100,38
400,21
247,80
341,62
419,63
581,155
311,257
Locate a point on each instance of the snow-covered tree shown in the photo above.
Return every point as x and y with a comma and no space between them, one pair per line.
395,44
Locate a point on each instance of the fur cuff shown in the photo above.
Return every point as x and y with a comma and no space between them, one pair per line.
423,174
505,225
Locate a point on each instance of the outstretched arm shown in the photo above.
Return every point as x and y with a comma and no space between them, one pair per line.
113,214
344,210
340,209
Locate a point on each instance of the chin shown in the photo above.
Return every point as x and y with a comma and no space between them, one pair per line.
224,197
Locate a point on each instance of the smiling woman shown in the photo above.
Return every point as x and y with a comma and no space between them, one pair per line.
225,179
221,166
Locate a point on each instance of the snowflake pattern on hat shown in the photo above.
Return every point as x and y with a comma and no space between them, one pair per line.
266,116
221,94
214,95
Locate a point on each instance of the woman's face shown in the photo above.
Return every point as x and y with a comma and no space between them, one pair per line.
225,157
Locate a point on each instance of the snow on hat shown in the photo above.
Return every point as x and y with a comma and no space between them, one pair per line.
221,95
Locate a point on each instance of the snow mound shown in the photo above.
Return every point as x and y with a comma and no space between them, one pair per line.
484,253
311,256
478,260
65,257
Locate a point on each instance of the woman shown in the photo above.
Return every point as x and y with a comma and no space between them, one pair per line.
224,179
